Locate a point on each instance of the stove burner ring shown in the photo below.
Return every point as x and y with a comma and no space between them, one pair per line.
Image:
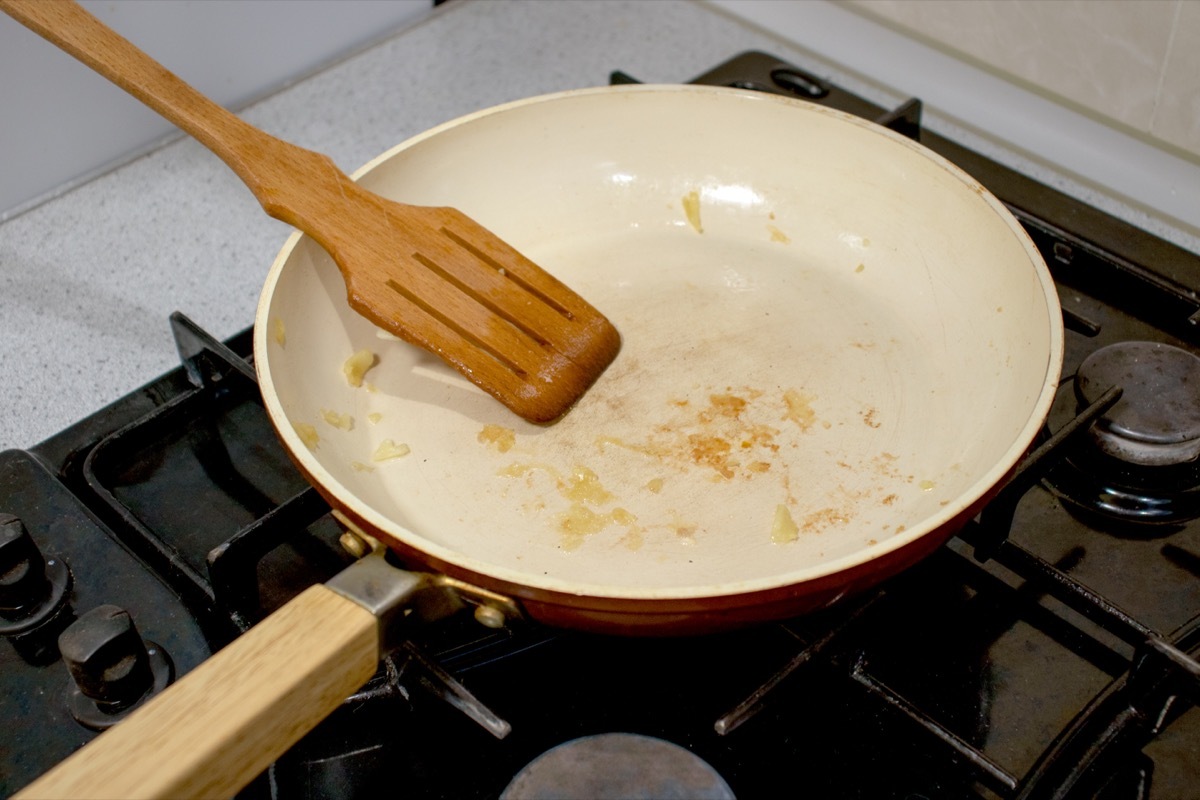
617,765
1157,420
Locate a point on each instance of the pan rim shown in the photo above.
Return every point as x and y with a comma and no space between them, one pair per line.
932,524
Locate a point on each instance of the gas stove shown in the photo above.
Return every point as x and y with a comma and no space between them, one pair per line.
1048,650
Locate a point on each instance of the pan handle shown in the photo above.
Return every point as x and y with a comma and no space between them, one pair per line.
223,723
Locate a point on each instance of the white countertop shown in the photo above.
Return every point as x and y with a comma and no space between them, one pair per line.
88,279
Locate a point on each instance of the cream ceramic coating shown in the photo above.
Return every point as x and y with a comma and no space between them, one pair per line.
860,333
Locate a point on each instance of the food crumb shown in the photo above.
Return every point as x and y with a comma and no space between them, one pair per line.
860,267
778,235
926,486
498,436
358,466
799,409
578,522
279,332
356,366
307,434
655,485
691,207
374,417
584,487
389,450
343,422
783,527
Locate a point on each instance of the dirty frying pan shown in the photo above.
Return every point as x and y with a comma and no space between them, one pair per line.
836,345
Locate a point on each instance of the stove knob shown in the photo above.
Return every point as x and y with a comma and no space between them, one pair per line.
32,587
111,667
22,568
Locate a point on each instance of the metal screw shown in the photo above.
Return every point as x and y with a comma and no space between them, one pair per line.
489,616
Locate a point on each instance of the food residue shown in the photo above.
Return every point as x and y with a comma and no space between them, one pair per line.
799,409
861,266
584,487
655,485
783,527
498,437
389,450
361,467
778,235
819,520
374,417
722,436
278,331
578,522
356,366
343,422
691,207
307,434
727,405
926,485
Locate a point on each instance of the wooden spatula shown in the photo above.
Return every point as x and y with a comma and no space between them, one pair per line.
432,276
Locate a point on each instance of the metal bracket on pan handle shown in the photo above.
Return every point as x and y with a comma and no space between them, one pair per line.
389,593
440,595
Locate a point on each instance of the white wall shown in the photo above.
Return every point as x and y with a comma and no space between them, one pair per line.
60,121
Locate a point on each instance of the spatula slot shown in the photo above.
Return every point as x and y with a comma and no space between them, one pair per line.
470,292
450,323
508,273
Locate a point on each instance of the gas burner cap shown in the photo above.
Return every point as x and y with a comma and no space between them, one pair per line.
1157,420
617,765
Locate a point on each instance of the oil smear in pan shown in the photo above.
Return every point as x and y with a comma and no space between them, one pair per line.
730,435
585,494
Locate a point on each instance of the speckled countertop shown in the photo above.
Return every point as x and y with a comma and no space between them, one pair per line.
88,279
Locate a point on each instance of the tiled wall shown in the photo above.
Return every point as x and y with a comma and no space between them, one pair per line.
1135,62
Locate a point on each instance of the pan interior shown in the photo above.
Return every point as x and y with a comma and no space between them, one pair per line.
832,343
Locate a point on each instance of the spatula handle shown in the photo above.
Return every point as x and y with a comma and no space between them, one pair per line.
270,167
219,726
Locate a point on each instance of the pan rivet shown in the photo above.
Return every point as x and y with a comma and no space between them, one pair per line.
489,616
353,544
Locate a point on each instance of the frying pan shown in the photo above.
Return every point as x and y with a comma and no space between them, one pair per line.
836,347
819,315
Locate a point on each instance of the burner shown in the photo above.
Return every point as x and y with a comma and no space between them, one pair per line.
1157,420
617,765
1140,464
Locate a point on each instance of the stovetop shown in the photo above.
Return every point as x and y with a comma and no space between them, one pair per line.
1049,650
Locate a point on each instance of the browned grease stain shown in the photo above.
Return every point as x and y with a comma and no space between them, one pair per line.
798,409
819,520
727,435
721,436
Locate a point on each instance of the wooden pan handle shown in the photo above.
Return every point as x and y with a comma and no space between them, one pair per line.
219,726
